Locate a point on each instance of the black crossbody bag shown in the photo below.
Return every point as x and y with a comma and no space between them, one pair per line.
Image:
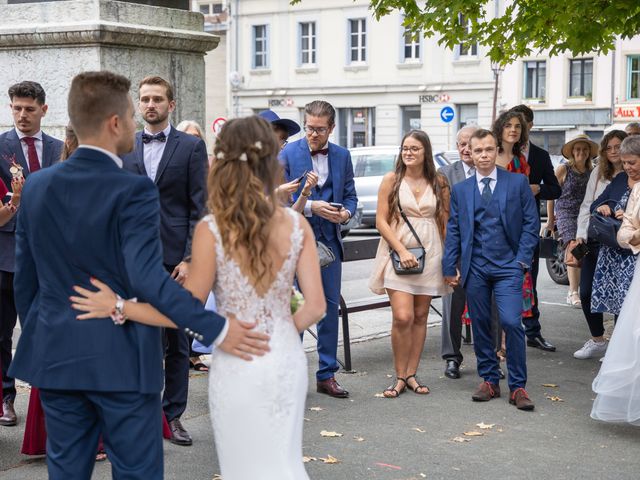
418,252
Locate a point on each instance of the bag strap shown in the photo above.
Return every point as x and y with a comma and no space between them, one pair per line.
404,217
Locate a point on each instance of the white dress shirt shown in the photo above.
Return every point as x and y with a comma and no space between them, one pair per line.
152,153
494,179
112,156
469,170
321,167
37,143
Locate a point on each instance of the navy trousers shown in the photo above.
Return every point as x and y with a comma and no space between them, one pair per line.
328,326
8,317
131,431
505,283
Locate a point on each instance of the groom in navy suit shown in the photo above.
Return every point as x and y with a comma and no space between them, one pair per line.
330,204
32,149
492,232
177,163
89,217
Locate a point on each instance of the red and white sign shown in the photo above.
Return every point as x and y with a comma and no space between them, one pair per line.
217,125
625,112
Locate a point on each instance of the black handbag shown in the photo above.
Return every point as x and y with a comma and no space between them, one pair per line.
548,244
418,252
604,230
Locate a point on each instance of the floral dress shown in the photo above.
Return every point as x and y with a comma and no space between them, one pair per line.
613,275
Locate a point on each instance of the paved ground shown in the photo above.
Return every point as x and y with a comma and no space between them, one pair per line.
415,437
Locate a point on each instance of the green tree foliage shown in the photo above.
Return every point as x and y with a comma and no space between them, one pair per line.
522,27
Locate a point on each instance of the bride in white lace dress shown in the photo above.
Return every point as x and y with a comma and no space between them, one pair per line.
249,249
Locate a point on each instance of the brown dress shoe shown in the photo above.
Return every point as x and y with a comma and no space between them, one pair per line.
9,419
520,398
331,388
179,435
485,392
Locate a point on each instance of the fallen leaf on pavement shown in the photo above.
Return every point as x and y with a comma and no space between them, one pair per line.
554,398
326,433
473,434
329,459
306,459
422,475
418,429
217,477
550,385
389,376
316,409
306,419
394,467
379,395
358,439
485,426
459,439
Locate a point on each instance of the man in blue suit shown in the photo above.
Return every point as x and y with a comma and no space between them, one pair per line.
29,147
492,232
177,163
89,217
330,204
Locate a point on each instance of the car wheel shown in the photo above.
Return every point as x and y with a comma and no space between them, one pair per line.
557,269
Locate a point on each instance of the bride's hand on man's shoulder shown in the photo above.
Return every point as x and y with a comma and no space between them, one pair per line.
242,341
98,303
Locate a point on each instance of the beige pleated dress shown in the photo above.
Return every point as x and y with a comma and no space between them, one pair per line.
422,216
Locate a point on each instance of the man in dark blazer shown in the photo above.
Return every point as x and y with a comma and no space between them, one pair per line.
177,163
545,186
332,202
491,234
89,217
31,149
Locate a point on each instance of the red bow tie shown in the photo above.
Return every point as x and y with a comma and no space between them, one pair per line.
322,151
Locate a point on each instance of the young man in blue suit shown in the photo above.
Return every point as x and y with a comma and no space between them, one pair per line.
492,233
89,217
332,202
177,163
29,147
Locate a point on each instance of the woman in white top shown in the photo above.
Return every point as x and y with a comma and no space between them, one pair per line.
609,165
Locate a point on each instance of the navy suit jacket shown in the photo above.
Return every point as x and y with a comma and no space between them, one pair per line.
182,182
87,217
9,148
519,215
542,173
296,157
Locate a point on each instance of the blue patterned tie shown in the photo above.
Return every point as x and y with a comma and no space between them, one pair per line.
486,191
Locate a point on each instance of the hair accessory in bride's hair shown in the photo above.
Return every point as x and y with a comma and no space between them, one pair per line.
243,157
220,155
258,145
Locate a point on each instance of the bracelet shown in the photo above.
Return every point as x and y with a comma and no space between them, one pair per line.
303,194
117,314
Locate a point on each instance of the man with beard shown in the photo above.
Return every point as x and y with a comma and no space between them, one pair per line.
177,163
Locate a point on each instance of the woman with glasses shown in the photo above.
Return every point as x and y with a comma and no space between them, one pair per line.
609,165
416,190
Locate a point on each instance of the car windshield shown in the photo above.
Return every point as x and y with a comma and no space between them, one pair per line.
375,165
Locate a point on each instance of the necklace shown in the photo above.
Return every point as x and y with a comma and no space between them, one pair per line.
416,188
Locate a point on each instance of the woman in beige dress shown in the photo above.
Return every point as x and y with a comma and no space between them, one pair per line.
423,195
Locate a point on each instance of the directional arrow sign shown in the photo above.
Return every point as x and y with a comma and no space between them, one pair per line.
447,114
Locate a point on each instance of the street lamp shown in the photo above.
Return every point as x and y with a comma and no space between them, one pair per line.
496,68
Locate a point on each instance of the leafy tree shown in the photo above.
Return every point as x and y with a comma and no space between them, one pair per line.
522,26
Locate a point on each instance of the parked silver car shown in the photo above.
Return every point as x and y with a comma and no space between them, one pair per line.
370,164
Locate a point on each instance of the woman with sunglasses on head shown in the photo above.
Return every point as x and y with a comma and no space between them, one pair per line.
413,209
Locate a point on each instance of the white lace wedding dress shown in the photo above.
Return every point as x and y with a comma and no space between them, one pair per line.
618,382
257,407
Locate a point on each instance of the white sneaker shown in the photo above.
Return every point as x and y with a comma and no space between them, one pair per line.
591,349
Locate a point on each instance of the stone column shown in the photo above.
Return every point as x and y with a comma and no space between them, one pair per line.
50,42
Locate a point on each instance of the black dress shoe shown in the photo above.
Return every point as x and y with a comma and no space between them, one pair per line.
179,435
9,418
541,343
332,388
452,370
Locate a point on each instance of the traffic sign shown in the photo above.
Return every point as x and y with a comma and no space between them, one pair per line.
447,114
217,125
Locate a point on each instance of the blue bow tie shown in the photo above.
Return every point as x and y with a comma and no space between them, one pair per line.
160,137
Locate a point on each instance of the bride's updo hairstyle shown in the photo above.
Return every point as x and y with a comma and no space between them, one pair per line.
243,174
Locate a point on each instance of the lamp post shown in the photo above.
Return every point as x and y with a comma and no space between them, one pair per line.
496,68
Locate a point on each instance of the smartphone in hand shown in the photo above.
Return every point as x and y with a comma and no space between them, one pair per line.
339,206
301,177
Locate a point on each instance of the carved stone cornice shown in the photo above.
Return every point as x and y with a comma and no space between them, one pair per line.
106,34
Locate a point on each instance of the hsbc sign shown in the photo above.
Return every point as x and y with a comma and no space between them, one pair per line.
281,102
434,98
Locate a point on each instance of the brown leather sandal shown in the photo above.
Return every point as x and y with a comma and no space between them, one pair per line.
391,392
417,388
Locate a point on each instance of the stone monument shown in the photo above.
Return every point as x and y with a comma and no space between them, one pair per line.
51,41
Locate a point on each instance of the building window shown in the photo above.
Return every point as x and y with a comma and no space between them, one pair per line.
358,40
535,77
633,77
580,77
464,49
210,8
411,118
411,50
467,114
260,46
308,43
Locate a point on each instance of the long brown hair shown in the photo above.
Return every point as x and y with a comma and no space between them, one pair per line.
243,174
501,122
70,143
438,183
605,167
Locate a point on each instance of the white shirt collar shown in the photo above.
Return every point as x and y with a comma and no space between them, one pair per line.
493,176
113,156
166,131
21,135
467,168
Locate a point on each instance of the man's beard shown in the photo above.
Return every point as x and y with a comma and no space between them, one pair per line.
155,121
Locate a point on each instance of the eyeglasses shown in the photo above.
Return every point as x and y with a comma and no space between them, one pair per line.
318,130
613,148
411,149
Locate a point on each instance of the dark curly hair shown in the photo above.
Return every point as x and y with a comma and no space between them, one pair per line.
28,89
501,122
